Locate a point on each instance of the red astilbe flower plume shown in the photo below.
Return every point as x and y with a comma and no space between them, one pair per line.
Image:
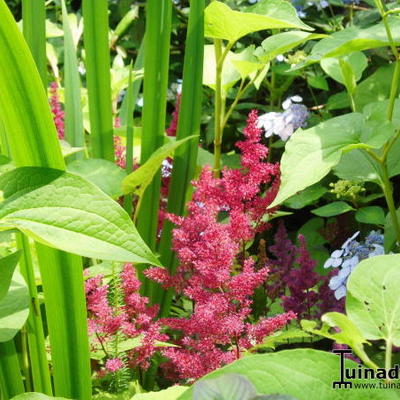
210,273
132,318
56,109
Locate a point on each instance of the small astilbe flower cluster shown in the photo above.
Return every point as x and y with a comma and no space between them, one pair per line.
133,318
56,109
213,273
295,281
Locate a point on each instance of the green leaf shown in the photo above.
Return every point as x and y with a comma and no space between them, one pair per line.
287,371
224,387
172,393
372,302
221,22
14,308
306,196
332,209
353,39
104,174
282,43
7,267
138,180
292,335
318,82
74,131
36,396
371,215
310,154
338,101
357,62
64,211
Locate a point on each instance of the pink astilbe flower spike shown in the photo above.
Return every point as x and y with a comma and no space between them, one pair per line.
56,109
210,273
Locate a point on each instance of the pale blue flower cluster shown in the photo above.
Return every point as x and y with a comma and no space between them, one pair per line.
348,257
284,123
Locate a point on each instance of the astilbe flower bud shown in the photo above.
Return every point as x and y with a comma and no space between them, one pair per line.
56,109
210,274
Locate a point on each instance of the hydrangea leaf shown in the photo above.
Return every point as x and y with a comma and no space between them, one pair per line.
103,173
282,43
138,180
225,387
172,393
7,267
373,301
65,211
332,209
14,308
306,196
221,22
310,154
371,215
353,39
353,65
287,371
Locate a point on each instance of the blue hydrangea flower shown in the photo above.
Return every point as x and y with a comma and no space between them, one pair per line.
284,123
349,256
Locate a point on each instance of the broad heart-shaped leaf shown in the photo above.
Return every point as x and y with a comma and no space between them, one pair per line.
332,209
7,267
282,43
65,211
225,387
357,62
14,308
221,22
353,39
304,374
231,72
138,180
310,154
104,174
172,393
373,301
36,396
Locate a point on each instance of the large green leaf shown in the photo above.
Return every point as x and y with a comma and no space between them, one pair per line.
172,393
64,211
221,22
103,173
36,396
354,39
7,267
310,154
138,180
14,308
332,209
303,373
371,215
282,43
373,301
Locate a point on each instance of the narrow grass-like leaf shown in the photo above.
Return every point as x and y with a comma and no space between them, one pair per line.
74,132
95,32
141,178
156,60
124,24
37,349
188,124
11,382
34,28
67,212
25,112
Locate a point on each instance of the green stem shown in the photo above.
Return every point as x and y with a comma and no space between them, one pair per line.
394,90
388,192
25,360
218,109
388,355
